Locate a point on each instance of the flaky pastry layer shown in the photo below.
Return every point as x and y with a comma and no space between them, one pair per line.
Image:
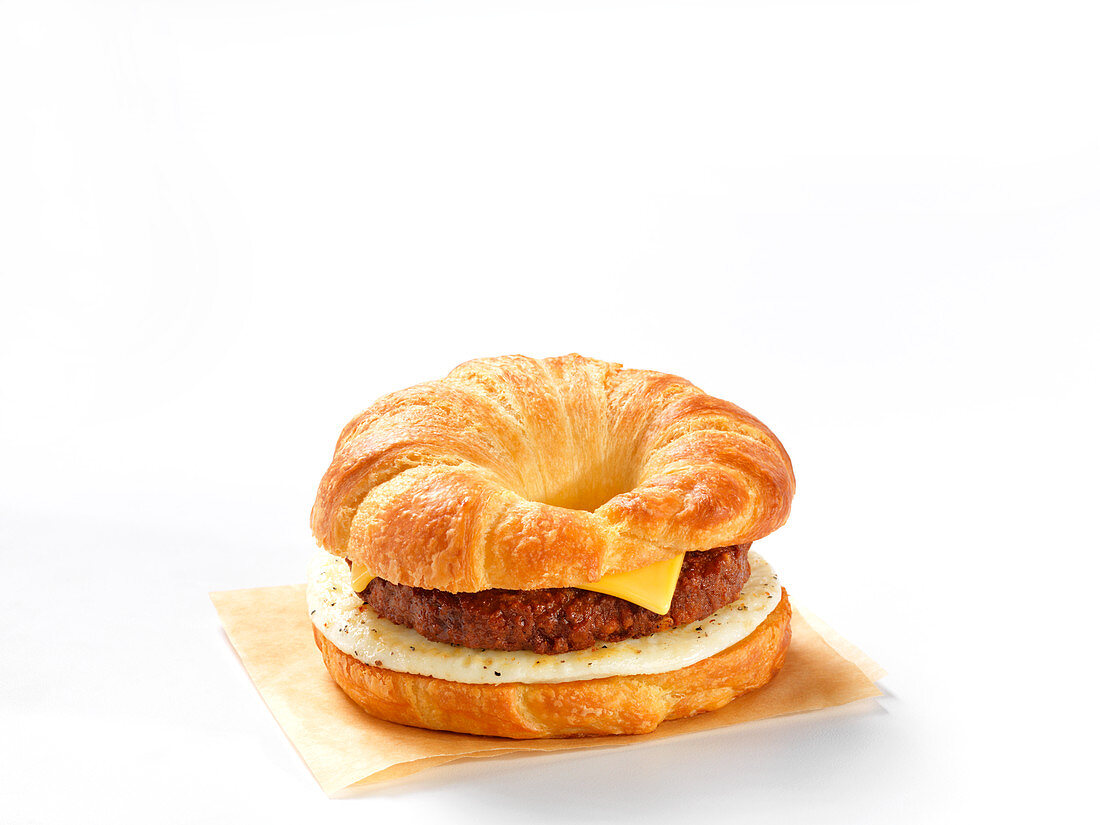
525,473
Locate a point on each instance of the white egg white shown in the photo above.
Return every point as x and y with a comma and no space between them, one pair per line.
340,615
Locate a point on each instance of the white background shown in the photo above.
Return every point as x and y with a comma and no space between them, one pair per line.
226,227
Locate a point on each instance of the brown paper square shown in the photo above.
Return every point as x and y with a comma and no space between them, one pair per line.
342,745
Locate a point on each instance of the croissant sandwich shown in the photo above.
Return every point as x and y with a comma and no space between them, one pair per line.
547,548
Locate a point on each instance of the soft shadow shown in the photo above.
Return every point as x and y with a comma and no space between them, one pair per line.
802,755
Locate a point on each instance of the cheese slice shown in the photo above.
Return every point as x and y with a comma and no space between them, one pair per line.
650,587
360,578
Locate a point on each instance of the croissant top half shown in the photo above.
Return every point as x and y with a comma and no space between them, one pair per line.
525,473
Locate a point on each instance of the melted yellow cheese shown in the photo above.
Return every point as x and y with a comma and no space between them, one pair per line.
360,578
650,587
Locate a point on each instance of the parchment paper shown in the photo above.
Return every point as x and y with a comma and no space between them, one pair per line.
342,745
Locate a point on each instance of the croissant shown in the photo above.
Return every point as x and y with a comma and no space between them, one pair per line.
557,475
521,473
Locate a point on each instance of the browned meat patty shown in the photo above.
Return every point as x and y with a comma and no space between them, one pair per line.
559,619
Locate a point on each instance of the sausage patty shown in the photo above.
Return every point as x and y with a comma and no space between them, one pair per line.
559,619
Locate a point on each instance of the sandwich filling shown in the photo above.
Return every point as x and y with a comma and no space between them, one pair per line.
560,619
357,629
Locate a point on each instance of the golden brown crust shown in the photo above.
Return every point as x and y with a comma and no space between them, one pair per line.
596,707
519,473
